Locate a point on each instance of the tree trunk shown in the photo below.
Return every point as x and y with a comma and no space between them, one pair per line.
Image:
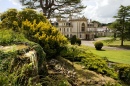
122,35
122,31
43,8
122,40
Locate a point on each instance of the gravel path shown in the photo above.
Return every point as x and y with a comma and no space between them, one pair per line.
90,43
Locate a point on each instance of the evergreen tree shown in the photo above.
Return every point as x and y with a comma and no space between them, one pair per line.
50,6
123,18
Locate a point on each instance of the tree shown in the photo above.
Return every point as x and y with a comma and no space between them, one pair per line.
127,34
13,18
49,7
30,15
123,18
115,26
8,17
99,24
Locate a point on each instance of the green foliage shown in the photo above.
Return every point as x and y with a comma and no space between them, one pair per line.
112,84
78,41
30,15
8,37
73,52
13,18
98,45
35,27
123,17
123,72
99,65
46,35
41,56
75,40
8,17
88,59
4,79
108,41
19,69
55,80
48,7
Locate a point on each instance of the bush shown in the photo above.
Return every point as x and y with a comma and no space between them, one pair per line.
46,35
98,45
123,72
73,39
74,53
8,37
78,41
99,65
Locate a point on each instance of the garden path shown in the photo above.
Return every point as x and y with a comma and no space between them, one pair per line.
91,44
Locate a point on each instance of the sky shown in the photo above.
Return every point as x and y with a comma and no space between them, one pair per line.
99,10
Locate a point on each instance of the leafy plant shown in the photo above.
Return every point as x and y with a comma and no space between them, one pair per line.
123,72
46,35
8,37
98,45
99,65
75,40
78,41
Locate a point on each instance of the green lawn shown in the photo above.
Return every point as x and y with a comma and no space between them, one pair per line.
116,43
120,56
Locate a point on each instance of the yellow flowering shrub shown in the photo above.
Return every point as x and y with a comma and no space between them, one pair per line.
46,35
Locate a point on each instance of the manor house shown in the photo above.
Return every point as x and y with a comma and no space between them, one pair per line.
81,27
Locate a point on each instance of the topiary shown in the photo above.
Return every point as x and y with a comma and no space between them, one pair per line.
98,45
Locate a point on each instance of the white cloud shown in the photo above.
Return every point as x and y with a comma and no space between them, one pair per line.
103,10
15,2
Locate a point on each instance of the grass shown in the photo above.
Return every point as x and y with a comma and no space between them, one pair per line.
116,43
119,56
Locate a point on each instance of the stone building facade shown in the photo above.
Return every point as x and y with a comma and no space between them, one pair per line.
81,27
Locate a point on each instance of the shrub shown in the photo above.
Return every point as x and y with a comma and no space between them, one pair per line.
123,72
98,45
46,35
78,41
8,37
73,39
74,52
99,65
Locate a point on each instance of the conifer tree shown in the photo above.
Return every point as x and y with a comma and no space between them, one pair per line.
123,18
49,7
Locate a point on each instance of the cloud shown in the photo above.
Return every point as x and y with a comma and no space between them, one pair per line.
103,10
15,2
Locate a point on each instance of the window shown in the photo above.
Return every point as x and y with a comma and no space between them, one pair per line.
67,30
69,24
83,27
80,36
64,29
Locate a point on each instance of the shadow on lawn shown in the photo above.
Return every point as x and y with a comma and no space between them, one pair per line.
122,47
101,50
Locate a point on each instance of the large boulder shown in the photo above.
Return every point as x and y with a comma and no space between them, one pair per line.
24,64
